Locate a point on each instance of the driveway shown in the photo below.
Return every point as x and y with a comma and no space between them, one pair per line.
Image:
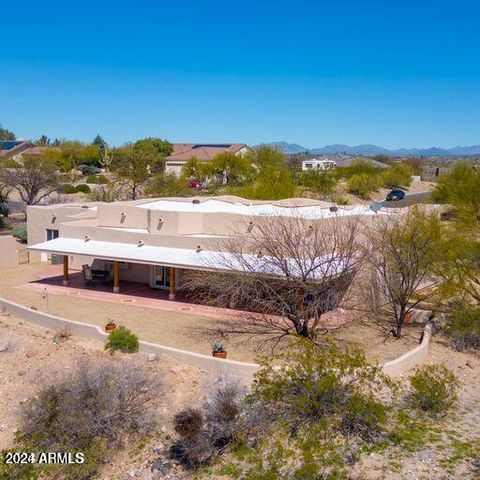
410,199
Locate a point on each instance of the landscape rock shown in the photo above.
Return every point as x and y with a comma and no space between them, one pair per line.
152,357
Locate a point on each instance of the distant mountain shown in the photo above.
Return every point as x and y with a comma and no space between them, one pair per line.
289,148
459,150
357,150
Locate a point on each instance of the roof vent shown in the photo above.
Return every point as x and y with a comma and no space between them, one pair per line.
196,202
199,249
54,217
122,217
140,244
250,227
86,238
334,208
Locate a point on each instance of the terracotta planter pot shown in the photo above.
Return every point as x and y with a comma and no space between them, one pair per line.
110,328
220,354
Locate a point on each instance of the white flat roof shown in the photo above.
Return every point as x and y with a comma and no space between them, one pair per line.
218,206
181,257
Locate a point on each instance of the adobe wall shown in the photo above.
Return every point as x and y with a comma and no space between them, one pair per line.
8,251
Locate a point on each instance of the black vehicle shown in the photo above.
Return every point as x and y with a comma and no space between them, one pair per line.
396,195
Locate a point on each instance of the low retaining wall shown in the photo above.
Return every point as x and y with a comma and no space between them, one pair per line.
233,368
413,357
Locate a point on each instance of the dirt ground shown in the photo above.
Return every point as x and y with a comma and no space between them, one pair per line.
32,356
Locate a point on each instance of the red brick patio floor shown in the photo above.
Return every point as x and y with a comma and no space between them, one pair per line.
141,295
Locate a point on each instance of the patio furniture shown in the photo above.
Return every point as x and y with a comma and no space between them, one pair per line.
102,275
88,276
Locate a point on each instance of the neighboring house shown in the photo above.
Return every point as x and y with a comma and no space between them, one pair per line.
154,241
203,152
315,164
12,148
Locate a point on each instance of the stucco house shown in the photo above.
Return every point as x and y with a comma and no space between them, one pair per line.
153,241
203,152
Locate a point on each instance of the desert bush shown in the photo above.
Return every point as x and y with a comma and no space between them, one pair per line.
400,175
123,340
189,423
2,222
62,334
20,231
312,383
67,189
321,182
206,432
82,188
464,328
363,184
98,404
434,389
97,179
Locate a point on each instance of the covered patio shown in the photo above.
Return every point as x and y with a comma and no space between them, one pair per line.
167,260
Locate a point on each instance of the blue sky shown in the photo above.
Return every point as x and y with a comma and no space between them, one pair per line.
395,73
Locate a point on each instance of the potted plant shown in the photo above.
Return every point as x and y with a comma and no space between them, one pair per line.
218,350
111,326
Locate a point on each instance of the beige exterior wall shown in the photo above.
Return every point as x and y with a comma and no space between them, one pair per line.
8,252
126,222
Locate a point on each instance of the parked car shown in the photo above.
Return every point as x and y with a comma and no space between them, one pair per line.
396,195
89,169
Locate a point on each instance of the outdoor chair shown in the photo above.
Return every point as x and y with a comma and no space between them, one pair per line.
87,276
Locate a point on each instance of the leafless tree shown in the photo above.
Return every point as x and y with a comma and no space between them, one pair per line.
289,271
34,178
403,252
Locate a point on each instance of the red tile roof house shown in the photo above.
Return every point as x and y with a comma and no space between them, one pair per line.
203,152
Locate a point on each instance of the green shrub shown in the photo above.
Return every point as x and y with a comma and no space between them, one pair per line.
363,184
434,389
2,223
20,231
97,179
312,383
82,188
400,175
123,340
321,182
464,328
67,189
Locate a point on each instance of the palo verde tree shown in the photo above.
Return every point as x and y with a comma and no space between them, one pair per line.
404,250
289,270
232,168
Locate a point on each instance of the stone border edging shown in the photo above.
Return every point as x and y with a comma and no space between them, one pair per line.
234,368
409,359
94,332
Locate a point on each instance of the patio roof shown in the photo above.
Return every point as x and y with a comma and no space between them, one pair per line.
190,259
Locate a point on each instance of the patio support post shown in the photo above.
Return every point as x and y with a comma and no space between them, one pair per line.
65,270
171,295
116,277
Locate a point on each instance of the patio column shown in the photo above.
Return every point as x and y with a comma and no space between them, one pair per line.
171,295
65,270
116,277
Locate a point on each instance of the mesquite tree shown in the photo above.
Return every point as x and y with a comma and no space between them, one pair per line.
283,272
